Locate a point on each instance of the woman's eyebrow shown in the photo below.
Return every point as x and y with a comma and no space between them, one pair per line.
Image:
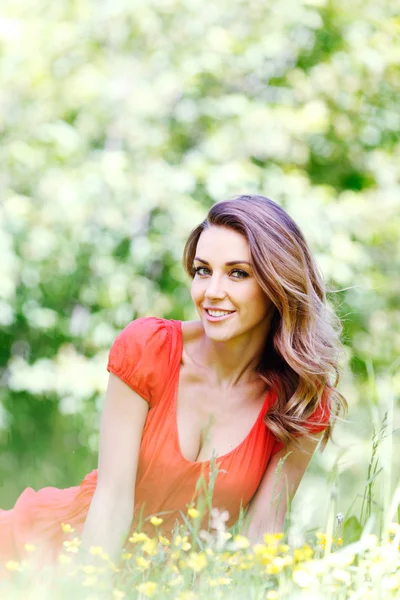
231,262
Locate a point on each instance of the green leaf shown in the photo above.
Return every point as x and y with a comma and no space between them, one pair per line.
352,530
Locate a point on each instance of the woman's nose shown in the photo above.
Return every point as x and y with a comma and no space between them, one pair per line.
215,288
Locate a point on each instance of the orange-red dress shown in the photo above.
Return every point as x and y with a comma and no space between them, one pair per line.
146,355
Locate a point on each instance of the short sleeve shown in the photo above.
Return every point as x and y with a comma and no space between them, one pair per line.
317,422
139,356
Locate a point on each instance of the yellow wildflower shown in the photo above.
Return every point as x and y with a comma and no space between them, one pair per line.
302,554
273,538
241,542
89,581
186,595
148,588
12,565
150,547
142,563
96,550
179,540
321,538
276,566
196,561
163,540
156,521
193,513
182,542
339,541
72,545
262,554
224,580
393,528
246,562
89,569
66,527
272,595
63,559
126,555
138,537
30,547
231,559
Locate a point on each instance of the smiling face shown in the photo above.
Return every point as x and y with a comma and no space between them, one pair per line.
224,280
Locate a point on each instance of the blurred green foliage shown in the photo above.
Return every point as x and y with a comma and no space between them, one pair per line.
121,123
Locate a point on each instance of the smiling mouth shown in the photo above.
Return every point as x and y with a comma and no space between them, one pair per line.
218,315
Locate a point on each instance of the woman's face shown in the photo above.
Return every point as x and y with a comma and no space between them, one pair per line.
224,281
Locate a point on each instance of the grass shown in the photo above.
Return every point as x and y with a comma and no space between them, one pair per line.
355,556
227,567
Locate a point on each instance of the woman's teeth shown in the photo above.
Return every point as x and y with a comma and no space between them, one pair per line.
219,313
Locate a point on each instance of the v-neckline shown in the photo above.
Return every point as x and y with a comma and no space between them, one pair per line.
175,411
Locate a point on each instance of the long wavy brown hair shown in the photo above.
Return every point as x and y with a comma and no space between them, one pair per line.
300,360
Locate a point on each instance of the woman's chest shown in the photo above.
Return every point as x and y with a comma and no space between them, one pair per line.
212,422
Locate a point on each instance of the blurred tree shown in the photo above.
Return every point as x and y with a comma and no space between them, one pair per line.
121,123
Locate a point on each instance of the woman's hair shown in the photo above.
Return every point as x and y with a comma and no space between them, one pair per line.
303,347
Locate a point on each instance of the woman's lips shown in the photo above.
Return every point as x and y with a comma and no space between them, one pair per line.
222,318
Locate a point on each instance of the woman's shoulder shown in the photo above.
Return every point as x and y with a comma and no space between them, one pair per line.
150,336
158,331
192,335
143,353
192,331
140,338
148,327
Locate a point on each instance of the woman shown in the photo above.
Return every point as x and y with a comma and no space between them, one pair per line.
241,388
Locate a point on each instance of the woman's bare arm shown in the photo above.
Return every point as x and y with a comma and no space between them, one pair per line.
111,510
268,506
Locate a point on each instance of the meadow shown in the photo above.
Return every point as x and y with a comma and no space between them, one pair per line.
353,557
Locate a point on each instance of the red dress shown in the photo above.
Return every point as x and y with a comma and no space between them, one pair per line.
146,355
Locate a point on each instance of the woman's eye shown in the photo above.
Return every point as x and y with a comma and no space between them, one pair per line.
198,269
242,274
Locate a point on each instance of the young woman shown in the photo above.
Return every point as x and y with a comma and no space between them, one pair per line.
237,390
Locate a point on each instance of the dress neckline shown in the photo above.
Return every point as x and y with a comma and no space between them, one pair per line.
175,413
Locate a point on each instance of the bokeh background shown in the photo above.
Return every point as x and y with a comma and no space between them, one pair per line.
121,123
